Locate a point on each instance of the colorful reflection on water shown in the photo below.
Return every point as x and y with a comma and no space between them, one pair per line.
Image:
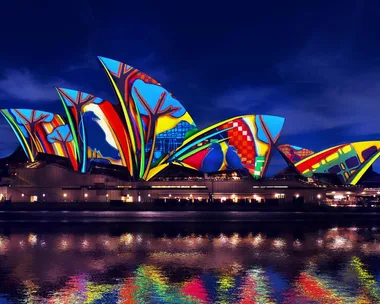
288,264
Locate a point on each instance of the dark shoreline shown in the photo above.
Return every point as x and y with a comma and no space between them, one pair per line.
180,216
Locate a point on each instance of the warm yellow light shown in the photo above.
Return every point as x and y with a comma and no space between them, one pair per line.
85,195
319,196
107,195
64,194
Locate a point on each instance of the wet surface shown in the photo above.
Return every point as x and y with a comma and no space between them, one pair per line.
213,262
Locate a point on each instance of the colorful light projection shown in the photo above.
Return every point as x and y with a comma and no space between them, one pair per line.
309,289
156,122
256,287
42,132
294,153
366,280
242,142
348,161
98,126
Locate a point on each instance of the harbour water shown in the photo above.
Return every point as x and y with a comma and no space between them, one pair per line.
193,262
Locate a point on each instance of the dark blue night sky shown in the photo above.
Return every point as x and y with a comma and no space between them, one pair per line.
316,63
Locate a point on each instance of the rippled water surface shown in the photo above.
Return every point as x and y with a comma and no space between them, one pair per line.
270,262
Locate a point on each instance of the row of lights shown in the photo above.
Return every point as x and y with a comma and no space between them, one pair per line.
233,196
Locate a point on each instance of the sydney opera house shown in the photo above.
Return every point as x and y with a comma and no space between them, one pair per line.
145,146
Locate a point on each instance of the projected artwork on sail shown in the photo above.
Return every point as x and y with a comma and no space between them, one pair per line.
346,160
157,123
99,129
240,143
42,132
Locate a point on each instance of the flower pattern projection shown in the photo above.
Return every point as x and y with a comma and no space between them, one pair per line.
348,161
42,132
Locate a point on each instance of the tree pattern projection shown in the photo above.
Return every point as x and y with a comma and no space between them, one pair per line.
149,110
63,139
32,128
145,131
73,105
30,119
101,128
153,118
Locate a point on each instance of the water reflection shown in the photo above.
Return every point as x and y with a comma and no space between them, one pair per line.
330,265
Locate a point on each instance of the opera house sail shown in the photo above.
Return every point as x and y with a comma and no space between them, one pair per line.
146,130
348,161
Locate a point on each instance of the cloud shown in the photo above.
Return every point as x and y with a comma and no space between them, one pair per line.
24,85
245,98
321,90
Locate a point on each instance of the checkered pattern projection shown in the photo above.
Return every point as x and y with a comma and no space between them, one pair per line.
240,143
145,128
